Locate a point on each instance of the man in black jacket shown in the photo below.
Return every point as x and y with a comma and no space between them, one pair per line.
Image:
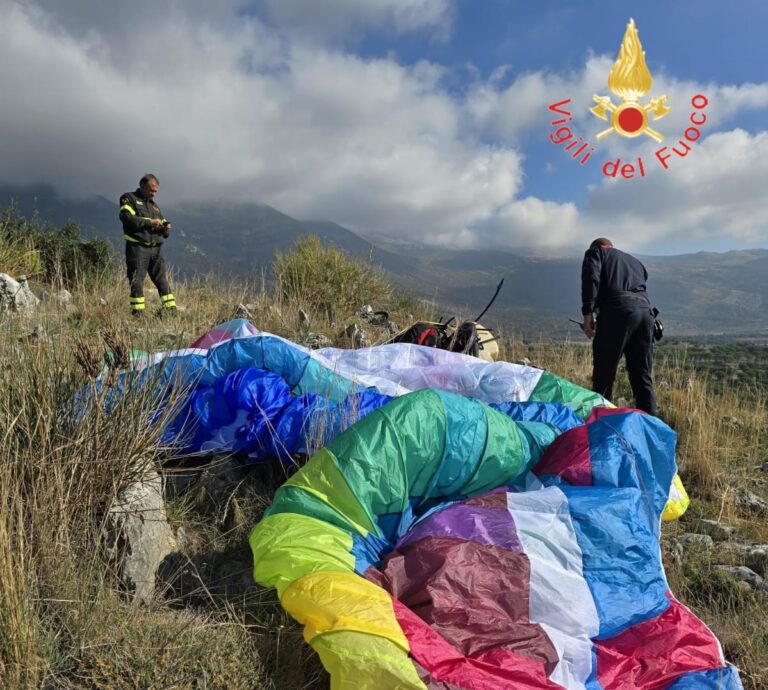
144,230
613,287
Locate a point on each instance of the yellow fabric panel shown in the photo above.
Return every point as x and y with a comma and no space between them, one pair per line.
128,238
678,501
357,661
288,546
128,208
327,602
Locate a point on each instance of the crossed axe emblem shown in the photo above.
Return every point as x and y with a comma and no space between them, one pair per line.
656,106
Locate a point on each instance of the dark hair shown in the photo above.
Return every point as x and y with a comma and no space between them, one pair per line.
601,242
147,178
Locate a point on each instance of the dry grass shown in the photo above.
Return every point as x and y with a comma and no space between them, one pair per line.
64,622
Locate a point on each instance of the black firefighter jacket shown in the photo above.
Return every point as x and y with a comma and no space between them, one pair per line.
136,214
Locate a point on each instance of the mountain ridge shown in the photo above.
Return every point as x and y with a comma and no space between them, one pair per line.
698,293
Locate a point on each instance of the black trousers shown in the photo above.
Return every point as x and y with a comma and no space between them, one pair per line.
625,332
140,261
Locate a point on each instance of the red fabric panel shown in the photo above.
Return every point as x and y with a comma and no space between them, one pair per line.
474,595
650,655
568,457
600,412
500,669
493,499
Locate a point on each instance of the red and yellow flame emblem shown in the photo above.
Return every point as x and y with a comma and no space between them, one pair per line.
630,80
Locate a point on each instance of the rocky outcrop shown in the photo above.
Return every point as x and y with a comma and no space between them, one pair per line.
15,295
140,534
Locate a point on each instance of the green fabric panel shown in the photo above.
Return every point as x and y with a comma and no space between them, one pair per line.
321,478
357,661
466,436
551,388
504,458
538,436
288,546
293,499
391,454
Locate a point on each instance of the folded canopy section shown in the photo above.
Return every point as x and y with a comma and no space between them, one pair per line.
261,395
393,369
226,402
419,552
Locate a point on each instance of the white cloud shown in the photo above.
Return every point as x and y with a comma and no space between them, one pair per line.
335,18
532,222
244,114
222,106
719,192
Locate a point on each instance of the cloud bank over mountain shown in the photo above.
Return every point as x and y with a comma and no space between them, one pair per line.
273,102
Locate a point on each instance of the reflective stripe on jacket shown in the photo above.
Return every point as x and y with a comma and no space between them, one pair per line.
135,215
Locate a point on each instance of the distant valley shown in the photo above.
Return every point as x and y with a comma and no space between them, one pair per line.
701,294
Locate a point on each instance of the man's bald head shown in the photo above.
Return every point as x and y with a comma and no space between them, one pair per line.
601,242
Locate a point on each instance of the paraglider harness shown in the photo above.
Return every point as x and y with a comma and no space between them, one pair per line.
469,337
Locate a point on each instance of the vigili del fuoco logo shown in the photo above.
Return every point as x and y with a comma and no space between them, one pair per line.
629,80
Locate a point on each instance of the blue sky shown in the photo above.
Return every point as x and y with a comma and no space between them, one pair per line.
404,120
693,40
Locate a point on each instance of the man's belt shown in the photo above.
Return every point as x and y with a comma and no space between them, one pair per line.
133,240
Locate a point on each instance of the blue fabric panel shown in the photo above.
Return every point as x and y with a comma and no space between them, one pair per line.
557,414
288,433
633,449
368,551
716,679
264,352
389,525
309,422
592,683
319,379
232,410
537,436
616,532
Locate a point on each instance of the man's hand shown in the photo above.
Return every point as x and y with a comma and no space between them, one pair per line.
155,223
588,325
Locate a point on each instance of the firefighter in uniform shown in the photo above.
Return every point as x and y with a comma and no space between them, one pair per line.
144,230
613,286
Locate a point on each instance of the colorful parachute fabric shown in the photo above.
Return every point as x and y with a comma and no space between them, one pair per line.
430,523
246,389
438,543
263,396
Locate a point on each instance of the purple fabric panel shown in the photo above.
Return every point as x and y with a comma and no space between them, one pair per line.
476,596
488,526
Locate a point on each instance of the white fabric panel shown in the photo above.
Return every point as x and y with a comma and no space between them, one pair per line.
560,599
399,368
414,367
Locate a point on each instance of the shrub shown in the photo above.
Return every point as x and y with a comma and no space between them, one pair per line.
325,280
58,257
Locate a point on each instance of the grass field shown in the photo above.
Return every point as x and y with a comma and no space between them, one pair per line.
64,622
